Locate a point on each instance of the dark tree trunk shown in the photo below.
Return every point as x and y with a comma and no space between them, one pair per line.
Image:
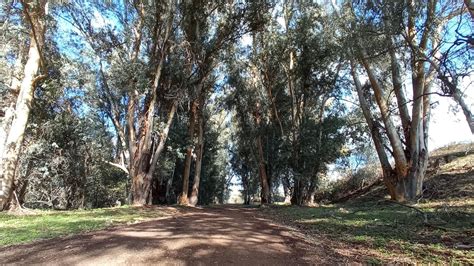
183,198
265,188
141,188
193,199
145,161
298,192
262,169
287,190
246,187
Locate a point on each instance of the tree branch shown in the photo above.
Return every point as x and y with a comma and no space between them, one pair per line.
119,166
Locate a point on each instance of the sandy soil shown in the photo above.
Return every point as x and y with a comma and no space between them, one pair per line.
227,235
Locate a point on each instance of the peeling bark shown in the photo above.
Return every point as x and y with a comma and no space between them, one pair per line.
262,171
374,132
35,15
146,163
144,147
401,163
193,198
465,109
399,92
265,189
183,198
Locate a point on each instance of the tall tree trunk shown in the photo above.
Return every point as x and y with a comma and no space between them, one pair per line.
407,181
298,192
183,198
457,95
4,129
401,163
262,171
146,160
143,148
35,15
141,187
374,128
8,103
246,187
399,92
287,189
140,161
410,185
193,199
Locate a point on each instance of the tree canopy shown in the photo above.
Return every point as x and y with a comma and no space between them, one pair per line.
148,102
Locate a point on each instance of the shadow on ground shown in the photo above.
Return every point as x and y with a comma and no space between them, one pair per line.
228,235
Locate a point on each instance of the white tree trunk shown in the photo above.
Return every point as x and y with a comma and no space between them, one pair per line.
16,132
401,163
457,95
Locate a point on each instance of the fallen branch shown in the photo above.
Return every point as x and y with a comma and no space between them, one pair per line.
425,218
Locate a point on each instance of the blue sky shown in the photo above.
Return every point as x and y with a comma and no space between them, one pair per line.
447,124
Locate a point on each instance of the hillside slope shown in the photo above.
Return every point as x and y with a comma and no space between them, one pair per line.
438,228
449,176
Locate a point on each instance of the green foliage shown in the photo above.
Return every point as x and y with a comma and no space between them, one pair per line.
286,89
214,184
66,147
291,79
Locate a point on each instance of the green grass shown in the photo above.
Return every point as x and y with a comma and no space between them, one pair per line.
391,231
18,229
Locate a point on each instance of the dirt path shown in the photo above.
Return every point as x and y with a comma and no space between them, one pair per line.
218,236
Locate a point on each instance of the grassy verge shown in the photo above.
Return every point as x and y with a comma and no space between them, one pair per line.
383,231
17,229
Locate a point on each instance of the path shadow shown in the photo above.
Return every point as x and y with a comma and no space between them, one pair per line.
197,236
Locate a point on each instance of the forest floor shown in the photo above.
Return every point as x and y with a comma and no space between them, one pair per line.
380,232
366,229
384,232
437,228
185,236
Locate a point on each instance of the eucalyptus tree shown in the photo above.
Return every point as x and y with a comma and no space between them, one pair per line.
209,27
215,179
252,82
129,59
288,85
247,158
317,117
33,72
390,39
